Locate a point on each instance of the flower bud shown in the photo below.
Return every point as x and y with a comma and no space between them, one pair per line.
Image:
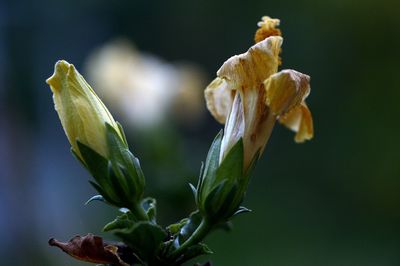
97,140
83,115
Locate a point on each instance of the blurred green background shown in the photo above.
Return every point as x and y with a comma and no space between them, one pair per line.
334,201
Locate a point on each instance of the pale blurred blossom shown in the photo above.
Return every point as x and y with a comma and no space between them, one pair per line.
143,88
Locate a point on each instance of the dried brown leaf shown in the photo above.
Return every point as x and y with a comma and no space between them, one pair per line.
90,248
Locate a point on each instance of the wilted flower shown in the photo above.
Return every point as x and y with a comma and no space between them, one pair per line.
248,96
83,115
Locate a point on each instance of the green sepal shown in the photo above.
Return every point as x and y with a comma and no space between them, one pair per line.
118,184
103,193
232,165
78,158
195,251
194,190
125,165
95,198
124,221
95,163
145,239
222,202
149,205
208,172
121,129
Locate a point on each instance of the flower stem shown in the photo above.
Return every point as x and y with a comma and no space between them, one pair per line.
198,235
139,213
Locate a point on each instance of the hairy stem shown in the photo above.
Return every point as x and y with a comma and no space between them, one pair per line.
139,212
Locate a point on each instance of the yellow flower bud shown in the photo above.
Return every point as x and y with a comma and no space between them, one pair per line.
83,115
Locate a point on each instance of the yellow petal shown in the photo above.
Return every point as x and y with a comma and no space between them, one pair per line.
244,72
286,90
250,69
267,27
219,99
299,120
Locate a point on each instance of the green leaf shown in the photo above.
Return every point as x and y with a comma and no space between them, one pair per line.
144,238
121,222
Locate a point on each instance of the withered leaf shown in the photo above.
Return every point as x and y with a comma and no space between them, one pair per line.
90,248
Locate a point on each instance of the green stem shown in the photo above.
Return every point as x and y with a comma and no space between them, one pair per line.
202,230
139,212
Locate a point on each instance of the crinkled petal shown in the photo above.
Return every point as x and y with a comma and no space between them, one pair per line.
244,73
299,119
250,69
219,99
286,90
